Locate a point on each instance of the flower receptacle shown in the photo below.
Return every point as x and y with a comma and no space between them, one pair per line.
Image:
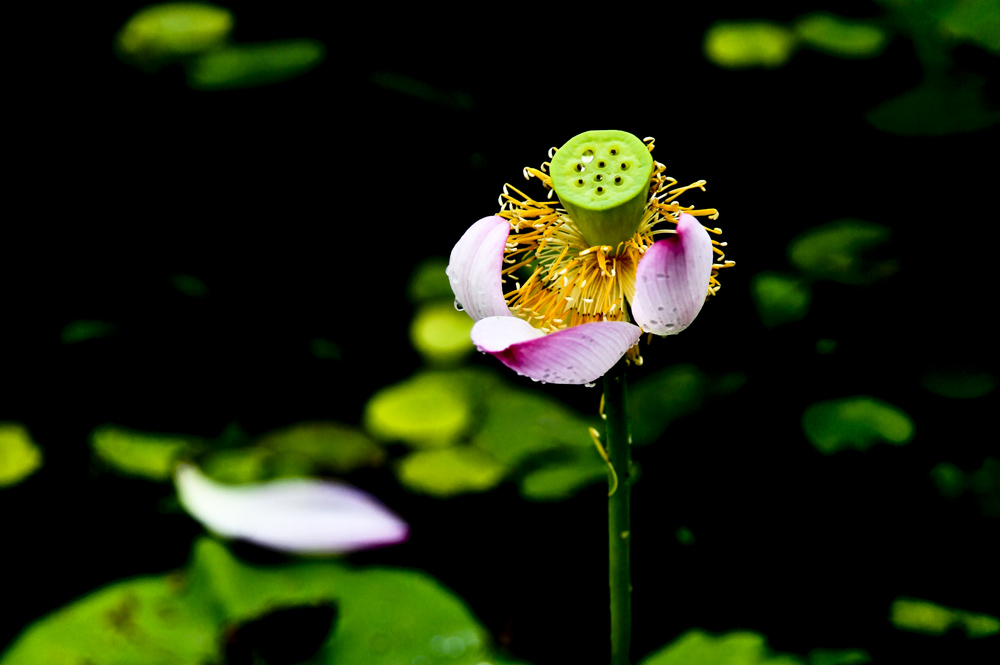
602,179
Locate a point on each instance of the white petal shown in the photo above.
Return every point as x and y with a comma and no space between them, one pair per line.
580,354
299,515
475,265
671,282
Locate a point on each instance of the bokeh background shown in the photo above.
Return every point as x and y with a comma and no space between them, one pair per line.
220,235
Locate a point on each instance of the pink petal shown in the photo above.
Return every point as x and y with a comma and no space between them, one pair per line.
671,282
581,354
474,268
300,515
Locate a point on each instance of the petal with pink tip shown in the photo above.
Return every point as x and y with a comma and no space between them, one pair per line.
580,354
671,282
475,265
296,515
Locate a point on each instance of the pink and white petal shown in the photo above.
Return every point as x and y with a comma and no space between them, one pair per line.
671,282
475,265
298,515
581,354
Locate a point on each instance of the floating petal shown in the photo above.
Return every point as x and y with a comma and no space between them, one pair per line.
475,268
671,282
299,515
580,354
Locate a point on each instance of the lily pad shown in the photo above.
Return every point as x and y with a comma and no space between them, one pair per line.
959,383
252,65
977,21
441,334
450,471
132,453
747,44
82,330
322,446
837,251
840,37
696,647
855,422
780,298
19,455
662,397
921,616
839,657
561,480
429,282
430,410
189,285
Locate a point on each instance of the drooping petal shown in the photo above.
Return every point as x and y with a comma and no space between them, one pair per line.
671,282
475,265
300,515
580,354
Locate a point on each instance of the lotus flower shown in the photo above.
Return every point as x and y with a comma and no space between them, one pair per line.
599,278
295,515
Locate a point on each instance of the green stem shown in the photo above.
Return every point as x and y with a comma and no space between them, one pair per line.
617,444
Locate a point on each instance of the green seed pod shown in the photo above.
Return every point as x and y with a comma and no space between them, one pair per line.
602,180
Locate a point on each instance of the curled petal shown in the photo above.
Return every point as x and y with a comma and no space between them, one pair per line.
300,515
475,265
671,282
580,354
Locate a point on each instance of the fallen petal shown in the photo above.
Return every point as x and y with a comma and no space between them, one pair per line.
475,265
671,282
580,354
299,515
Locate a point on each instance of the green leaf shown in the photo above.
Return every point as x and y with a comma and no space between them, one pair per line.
158,33
855,422
238,466
429,410
189,285
254,65
839,657
921,616
684,536
441,334
450,471
139,454
937,107
950,480
742,45
780,298
959,383
326,349
836,251
19,455
697,647
662,397
149,620
429,282
840,37
976,21
80,331
322,446
421,90
561,480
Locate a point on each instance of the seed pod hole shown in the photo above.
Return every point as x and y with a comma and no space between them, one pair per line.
598,178
624,166
580,167
614,151
588,156
618,180
579,183
601,165
600,190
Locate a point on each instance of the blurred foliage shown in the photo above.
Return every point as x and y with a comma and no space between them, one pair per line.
746,44
684,536
976,21
310,448
696,647
440,333
423,91
19,455
938,106
82,330
450,471
921,616
952,482
838,657
661,397
158,34
429,281
959,383
252,65
839,36
826,346
428,410
563,476
855,422
150,456
780,298
837,251
192,617
189,285
326,349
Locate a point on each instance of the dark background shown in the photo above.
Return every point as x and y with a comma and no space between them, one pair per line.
304,208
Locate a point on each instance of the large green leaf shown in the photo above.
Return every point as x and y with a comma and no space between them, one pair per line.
696,647
320,446
937,107
840,37
837,251
19,455
855,422
429,410
440,333
252,65
563,478
82,330
780,298
429,282
450,471
746,44
158,33
132,453
959,383
921,616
